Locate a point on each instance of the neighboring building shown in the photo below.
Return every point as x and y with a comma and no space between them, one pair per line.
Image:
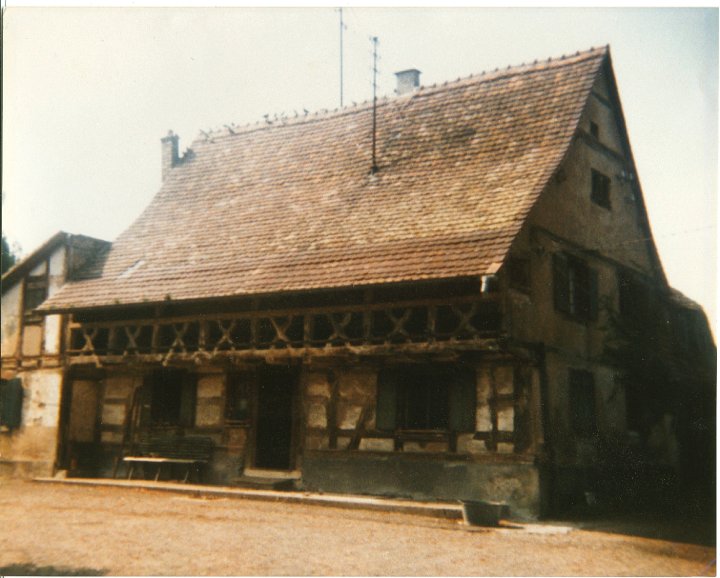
442,321
32,353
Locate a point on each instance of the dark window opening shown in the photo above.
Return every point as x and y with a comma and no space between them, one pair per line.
237,403
575,287
594,130
582,403
633,296
426,397
518,271
35,292
11,399
169,397
600,194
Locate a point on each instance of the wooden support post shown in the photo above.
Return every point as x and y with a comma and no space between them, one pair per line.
332,410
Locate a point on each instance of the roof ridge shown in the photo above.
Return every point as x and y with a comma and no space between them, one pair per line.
448,85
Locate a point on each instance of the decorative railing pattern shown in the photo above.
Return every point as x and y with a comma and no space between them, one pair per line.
331,327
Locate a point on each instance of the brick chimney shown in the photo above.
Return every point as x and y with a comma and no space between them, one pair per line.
407,80
170,153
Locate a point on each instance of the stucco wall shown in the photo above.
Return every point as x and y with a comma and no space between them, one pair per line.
30,450
10,322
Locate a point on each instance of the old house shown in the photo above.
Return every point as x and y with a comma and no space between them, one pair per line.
32,353
431,322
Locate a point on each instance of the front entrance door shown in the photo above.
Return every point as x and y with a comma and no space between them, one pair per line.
274,426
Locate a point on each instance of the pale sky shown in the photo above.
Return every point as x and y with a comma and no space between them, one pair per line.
89,92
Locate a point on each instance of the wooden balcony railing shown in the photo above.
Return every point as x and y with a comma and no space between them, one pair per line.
462,320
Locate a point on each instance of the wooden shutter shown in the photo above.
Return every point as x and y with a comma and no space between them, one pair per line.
561,283
188,397
593,294
11,398
386,413
462,402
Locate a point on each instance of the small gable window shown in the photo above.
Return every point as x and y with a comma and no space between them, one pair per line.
575,287
35,292
600,194
594,130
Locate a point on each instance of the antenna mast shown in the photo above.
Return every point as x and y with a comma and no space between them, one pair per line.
342,26
374,167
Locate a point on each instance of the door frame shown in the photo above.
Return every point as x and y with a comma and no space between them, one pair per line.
293,372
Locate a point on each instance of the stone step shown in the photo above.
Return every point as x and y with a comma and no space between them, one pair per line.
261,483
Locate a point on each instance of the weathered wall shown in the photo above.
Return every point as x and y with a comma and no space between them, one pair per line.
493,463
566,220
30,450
10,321
421,477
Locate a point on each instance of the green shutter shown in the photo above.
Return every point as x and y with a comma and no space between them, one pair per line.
561,283
386,413
462,402
11,398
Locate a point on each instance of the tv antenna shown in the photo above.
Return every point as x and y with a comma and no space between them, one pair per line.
374,40
342,28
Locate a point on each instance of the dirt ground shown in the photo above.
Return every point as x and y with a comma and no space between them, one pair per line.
127,531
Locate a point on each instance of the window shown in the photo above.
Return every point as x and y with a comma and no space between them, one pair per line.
518,271
600,194
237,403
426,397
11,398
582,403
575,287
35,292
594,130
633,296
168,399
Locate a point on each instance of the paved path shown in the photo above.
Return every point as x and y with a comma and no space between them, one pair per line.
131,531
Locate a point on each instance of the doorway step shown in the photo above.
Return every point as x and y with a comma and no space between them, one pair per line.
258,479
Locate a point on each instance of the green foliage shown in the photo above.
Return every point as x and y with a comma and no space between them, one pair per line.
8,257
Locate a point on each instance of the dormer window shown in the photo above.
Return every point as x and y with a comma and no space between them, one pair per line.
600,191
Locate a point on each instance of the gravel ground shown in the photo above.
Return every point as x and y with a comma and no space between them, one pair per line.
121,531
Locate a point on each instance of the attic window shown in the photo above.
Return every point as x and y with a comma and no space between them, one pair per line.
35,292
595,130
600,193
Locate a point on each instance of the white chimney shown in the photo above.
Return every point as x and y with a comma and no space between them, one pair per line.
407,80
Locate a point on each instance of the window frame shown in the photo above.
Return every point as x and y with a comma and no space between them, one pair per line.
34,285
600,186
575,288
160,383
398,385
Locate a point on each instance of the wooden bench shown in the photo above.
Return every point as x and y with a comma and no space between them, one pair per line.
192,452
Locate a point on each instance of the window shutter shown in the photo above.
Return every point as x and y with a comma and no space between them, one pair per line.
593,294
188,396
11,398
561,283
386,413
462,404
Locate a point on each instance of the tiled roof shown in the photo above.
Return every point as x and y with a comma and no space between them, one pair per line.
292,205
